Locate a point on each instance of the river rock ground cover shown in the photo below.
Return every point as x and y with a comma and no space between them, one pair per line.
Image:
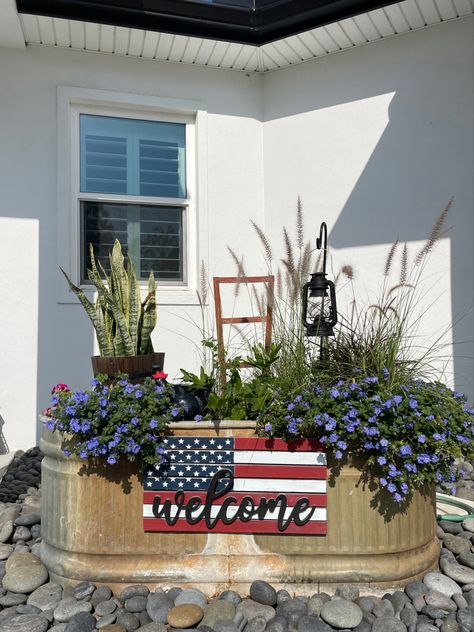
29,602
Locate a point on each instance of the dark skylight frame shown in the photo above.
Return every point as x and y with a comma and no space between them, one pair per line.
255,22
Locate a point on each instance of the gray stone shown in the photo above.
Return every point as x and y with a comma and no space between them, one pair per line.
105,608
441,583
158,605
468,524
225,625
172,593
137,590
12,599
35,530
191,595
83,590
460,574
314,605
450,527
5,551
24,573
398,600
68,607
251,609
416,588
108,619
368,617
27,519
433,613
409,615
153,627
81,622
26,623
440,600
347,591
218,609
366,603
388,624
467,559
384,608
419,603
258,624
450,625
144,618
455,545
128,620
21,534
137,604
46,597
466,494
362,627
21,547
292,610
313,624
466,617
460,601
426,627
6,530
101,593
26,608
468,588
60,627
263,592
231,596
277,624
341,613
283,595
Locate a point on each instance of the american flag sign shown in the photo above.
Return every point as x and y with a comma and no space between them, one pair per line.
237,485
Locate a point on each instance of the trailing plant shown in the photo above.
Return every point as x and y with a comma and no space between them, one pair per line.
409,434
114,420
122,322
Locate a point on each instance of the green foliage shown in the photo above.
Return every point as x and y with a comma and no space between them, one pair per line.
112,421
238,398
123,324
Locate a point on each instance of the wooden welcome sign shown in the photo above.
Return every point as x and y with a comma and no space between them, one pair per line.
237,485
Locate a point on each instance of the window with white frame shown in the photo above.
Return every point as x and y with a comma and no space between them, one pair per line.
132,185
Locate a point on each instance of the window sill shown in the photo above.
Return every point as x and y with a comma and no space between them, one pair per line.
177,296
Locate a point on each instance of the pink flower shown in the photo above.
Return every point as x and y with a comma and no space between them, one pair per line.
60,387
159,374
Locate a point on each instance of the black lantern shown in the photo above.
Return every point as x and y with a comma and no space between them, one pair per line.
319,298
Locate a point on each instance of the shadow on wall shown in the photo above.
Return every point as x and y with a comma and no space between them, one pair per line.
3,442
421,160
414,170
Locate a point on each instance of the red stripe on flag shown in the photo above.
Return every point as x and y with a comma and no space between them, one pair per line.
261,443
315,500
254,526
280,471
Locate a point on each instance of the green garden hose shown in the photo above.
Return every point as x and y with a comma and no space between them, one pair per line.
449,500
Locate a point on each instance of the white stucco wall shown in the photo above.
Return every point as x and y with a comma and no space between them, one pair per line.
375,140
56,340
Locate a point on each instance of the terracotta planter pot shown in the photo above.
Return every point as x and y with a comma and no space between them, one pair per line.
92,530
137,367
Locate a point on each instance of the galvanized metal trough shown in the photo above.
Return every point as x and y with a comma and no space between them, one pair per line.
92,529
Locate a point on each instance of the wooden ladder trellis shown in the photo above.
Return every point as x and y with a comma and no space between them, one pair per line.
239,320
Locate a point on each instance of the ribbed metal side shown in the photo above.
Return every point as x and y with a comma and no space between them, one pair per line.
92,530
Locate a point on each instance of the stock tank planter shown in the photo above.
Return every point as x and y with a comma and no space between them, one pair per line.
92,529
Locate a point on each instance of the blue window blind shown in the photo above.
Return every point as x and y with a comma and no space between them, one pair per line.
132,157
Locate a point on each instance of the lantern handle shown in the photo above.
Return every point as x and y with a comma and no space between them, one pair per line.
322,243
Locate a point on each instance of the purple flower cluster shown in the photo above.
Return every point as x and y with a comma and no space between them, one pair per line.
111,421
410,435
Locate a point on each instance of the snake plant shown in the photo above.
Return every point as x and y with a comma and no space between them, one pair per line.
122,322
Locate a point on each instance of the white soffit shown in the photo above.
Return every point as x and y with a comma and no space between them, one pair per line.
392,20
